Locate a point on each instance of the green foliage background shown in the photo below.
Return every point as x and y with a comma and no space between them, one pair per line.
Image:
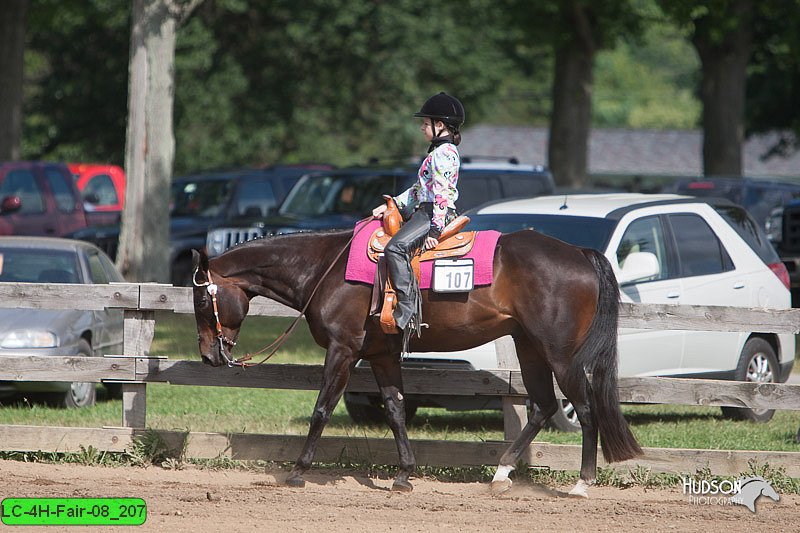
337,81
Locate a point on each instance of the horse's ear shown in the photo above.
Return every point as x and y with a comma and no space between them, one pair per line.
200,260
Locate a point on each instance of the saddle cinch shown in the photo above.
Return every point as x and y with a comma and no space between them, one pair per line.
451,244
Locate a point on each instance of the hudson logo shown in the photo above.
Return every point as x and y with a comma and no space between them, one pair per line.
744,491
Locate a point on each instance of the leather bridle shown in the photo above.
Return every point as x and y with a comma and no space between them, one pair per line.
212,288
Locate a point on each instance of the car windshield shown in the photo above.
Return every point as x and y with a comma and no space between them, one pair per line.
336,194
589,232
199,198
38,266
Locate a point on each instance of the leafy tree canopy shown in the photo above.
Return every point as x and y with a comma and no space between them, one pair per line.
338,80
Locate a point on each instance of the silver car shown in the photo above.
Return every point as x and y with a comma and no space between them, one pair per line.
57,332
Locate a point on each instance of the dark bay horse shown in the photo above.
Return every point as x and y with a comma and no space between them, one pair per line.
557,301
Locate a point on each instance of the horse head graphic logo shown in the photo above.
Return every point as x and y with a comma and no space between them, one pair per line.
752,488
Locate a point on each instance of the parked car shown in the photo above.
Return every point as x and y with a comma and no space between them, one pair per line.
665,249
103,190
38,198
200,201
57,332
772,202
338,198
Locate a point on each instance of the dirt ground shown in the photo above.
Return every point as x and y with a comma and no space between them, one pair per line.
195,499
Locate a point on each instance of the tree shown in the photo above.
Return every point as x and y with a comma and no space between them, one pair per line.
12,48
76,80
773,79
576,30
722,33
150,148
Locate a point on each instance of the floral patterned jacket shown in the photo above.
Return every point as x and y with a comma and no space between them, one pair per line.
438,176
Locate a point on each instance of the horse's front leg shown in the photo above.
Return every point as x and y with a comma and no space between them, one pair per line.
339,362
388,375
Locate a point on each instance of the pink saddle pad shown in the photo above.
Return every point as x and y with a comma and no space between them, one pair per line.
360,268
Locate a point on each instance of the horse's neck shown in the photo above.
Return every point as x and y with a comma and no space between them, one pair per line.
288,268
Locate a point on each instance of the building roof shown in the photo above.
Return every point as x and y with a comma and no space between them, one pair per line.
627,151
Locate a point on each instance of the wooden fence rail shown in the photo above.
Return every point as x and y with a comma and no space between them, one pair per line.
135,370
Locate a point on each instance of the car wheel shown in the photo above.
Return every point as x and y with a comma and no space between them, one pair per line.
79,394
371,411
565,419
758,364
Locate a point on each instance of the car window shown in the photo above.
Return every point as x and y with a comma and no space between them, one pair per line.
22,183
330,194
102,187
254,198
65,201
588,232
524,185
111,271
749,231
38,266
200,198
96,269
645,235
475,189
700,252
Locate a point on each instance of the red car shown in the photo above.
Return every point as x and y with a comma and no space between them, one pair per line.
103,191
39,198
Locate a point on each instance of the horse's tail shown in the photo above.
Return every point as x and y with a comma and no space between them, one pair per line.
598,357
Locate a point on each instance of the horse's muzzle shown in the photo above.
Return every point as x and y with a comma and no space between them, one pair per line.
215,355
210,360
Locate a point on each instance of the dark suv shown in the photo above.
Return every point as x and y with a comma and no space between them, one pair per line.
338,198
38,198
201,201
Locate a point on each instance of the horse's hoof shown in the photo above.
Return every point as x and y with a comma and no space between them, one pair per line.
500,486
295,482
581,490
401,486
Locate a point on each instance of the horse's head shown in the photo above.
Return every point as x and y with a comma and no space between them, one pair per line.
220,306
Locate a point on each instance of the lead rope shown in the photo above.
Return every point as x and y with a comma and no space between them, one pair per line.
277,343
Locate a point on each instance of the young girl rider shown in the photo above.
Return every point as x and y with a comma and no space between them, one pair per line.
427,206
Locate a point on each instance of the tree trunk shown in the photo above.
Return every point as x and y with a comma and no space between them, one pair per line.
570,121
12,54
150,146
724,63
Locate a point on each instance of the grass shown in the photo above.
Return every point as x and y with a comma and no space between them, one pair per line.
228,409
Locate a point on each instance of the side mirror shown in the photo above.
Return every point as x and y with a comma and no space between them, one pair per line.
639,266
10,204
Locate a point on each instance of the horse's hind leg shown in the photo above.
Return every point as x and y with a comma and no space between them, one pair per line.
388,375
578,395
538,379
336,374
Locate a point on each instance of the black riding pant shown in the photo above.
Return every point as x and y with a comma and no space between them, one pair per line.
403,245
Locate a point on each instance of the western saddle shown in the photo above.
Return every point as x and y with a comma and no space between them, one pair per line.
451,244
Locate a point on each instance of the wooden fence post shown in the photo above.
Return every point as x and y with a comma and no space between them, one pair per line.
515,409
139,330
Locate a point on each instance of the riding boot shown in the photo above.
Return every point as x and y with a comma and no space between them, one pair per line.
398,252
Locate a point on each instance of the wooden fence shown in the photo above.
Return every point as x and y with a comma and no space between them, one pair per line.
134,369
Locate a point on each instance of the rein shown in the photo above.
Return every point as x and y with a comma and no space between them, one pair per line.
277,343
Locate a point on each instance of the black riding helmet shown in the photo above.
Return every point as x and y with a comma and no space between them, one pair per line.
443,107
